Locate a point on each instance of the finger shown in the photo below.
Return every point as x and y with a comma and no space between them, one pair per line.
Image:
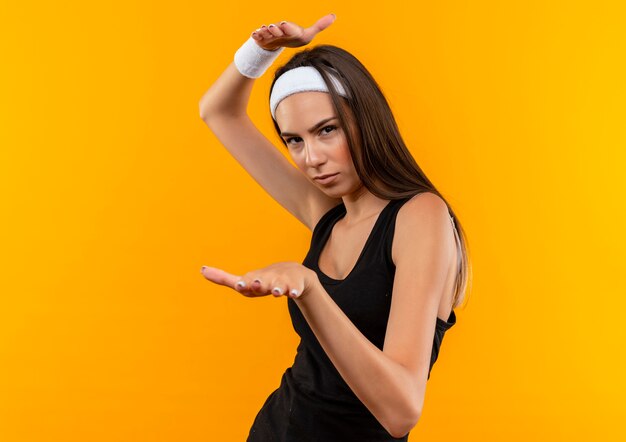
295,293
286,289
264,32
219,276
296,290
247,286
279,288
259,288
257,35
275,30
288,28
323,22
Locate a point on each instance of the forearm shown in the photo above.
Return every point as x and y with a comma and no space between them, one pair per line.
228,95
383,385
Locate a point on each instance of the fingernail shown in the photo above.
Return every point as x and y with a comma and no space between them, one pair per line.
294,292
202,269
241,284
277,290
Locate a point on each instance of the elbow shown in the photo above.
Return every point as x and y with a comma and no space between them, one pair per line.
209,111
205,108
407,417
402,430
203,112
207,117
402,427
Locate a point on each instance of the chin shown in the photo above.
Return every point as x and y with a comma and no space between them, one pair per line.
334,194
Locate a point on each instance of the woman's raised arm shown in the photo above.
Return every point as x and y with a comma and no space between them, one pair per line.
224,110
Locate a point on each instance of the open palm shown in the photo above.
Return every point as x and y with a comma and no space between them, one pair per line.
289,34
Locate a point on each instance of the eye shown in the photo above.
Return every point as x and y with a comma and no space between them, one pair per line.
329,126
288,140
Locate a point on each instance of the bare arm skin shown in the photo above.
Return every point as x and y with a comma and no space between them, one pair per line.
223,108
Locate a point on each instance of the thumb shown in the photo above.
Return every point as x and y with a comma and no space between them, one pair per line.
322,23
219,276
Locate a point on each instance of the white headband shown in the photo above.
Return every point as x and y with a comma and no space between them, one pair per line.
300,79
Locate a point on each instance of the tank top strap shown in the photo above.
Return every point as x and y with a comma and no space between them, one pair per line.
325,224
388,226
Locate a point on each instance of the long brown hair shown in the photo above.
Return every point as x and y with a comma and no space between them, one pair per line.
380,155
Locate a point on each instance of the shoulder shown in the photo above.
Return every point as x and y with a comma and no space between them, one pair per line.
424,216
422,208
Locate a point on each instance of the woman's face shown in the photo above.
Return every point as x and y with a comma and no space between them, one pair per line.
322,151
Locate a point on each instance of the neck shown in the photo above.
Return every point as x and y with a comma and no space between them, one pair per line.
362,204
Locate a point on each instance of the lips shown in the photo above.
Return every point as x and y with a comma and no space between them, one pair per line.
326,180
321,177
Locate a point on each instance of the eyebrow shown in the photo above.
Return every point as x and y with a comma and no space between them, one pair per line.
311,130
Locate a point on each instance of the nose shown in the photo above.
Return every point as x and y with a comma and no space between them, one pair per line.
314,156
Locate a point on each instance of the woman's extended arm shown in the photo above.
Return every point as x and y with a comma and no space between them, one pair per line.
392,383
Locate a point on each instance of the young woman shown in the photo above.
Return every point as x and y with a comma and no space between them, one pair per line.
388,259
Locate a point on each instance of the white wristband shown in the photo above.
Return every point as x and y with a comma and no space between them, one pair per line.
252,60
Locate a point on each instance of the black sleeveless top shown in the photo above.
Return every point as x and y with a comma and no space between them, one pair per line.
313,402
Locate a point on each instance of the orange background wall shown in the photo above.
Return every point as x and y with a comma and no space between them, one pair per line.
114,193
